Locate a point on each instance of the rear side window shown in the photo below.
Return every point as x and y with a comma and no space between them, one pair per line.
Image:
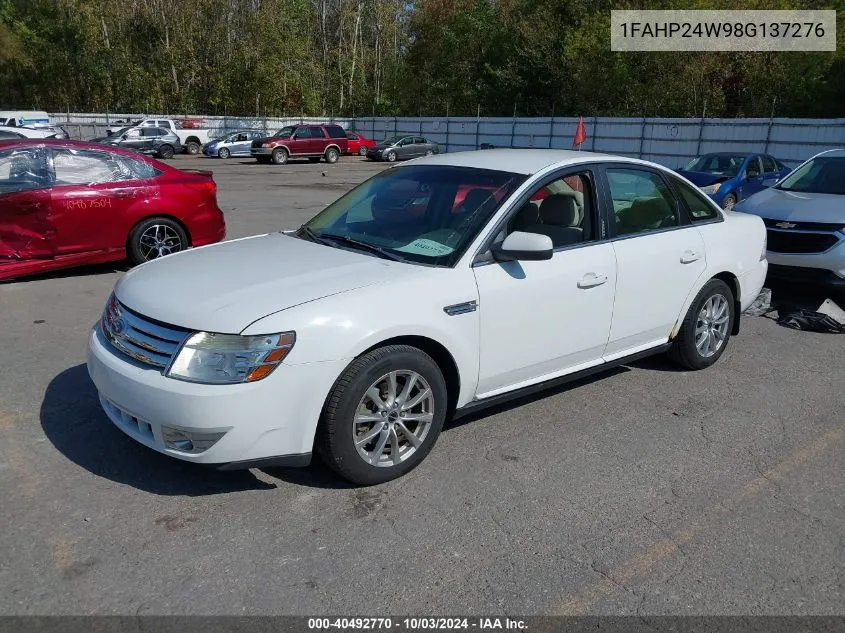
152,131
642,201
335,131
419,140
699,207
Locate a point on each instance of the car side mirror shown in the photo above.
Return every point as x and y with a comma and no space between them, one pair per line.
524,246
770,182
124,137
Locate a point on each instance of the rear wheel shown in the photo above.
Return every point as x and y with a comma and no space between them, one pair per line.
224,153
383,415
331,155
193,147
166,151
154,238
280,156
707,327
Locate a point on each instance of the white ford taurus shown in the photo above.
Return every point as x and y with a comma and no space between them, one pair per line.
435,287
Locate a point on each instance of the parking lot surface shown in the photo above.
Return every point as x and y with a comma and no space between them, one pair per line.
647,490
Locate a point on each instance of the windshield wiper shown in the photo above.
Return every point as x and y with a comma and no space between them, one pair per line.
384,253
311,234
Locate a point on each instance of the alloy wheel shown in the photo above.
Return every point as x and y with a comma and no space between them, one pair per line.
159,240
393,418
711,326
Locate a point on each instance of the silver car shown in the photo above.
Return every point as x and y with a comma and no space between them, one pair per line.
804,215
236,143
403,148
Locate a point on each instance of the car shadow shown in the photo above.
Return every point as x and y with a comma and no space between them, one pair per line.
75,424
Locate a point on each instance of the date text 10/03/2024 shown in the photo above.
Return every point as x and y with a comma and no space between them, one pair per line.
416,624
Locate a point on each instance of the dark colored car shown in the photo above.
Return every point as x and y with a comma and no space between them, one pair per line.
302,141
403,148
359,144
69,203
155,141
728,178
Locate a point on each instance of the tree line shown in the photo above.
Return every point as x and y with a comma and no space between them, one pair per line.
391,57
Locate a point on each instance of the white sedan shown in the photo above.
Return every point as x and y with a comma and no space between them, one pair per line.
433,288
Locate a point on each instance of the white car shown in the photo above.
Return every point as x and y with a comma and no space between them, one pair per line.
805,217
433,288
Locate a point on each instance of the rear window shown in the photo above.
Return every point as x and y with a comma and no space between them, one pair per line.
335,131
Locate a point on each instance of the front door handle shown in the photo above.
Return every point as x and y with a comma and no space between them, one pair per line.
591,280
689,257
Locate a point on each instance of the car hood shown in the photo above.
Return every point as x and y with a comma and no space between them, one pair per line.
227,286
777,204
383,145
702,179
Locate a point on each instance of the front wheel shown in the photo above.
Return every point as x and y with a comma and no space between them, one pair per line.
331,155
391,156
154,238
280,156
224,153
383,415
729,202
166,152
362,151
707,327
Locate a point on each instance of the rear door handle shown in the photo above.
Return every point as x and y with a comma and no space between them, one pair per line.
689,257
591,280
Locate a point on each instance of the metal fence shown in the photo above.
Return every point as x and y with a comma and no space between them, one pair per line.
671,142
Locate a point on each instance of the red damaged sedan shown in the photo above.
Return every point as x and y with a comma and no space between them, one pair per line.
359,144
68,203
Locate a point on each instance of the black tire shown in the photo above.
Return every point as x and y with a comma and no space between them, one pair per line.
139,252
314,159
390,156
331,155
223,153
192,148
684,350
362,151
729,202
166,152
280,156
335,435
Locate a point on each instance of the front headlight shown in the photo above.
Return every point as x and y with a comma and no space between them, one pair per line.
266,145
711,189
223,359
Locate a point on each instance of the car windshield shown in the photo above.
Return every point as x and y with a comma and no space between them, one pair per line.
285,132
716,164
825,174
393,140
122,131
426,214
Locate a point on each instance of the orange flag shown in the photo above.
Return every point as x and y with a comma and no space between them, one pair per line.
580,133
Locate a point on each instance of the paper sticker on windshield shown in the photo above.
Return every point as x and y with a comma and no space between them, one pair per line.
423,246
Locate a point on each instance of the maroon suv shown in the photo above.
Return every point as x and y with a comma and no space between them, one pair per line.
302,141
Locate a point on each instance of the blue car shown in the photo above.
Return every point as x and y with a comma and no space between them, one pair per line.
728,178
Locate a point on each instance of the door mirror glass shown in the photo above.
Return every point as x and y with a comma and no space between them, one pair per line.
524,246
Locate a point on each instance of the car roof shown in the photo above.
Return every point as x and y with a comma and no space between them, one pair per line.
522,161
832,152
58,142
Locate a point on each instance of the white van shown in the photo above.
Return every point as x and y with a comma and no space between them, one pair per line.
24,118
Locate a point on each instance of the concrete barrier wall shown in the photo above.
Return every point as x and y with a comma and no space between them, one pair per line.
671,142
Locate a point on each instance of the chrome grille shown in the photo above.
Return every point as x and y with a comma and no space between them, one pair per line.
147,342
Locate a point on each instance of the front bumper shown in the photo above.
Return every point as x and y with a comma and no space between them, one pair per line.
269,422
261,151
822,269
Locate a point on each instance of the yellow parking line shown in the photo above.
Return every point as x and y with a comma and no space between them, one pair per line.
583,601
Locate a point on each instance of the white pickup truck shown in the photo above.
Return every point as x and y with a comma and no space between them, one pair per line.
192,139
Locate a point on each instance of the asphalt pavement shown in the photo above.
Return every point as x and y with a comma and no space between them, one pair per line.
647,490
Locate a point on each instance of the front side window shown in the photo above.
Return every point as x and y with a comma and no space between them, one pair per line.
422,214
285,132
302,133
562,209
21,169
641,201
769,165
753,168
698,204
823,174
